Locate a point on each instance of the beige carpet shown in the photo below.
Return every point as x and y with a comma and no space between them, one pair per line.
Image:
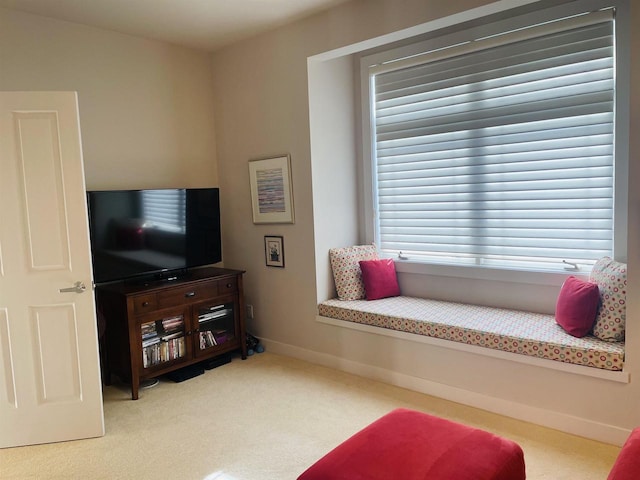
268,418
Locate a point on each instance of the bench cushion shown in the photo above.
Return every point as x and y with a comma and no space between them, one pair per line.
410,445
514,331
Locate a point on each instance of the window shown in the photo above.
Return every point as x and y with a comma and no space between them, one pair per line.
165,209
498,150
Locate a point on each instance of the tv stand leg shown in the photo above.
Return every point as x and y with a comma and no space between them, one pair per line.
135,386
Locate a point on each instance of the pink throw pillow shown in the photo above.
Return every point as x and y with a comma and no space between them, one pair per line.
379,278
577,306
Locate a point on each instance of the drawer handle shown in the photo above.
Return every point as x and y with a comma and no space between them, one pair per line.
145,304
190,294
229,285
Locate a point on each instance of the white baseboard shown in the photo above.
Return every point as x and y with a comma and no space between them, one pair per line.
582,427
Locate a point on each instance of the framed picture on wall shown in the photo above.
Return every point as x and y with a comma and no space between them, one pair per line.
271,192
274,251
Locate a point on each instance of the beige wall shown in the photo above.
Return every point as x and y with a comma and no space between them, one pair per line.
146,108
262,108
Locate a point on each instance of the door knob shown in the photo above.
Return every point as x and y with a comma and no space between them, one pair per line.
78,287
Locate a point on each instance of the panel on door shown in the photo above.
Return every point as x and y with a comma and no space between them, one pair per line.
42,189
55,350
7,379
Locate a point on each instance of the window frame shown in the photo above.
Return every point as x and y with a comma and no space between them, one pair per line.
488,28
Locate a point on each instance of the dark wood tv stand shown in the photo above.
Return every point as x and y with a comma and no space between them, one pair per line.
157,327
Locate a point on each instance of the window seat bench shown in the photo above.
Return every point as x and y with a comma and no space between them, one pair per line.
525,333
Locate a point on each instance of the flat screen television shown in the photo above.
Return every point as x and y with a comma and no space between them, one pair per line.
147,234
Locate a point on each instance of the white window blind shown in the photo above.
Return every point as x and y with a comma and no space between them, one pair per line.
503,156
164,209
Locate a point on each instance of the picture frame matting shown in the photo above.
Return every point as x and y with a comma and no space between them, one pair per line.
271,190
274,250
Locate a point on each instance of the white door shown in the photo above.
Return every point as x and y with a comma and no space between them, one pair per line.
50,387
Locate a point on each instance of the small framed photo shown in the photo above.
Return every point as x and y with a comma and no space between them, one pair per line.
271,191
274,251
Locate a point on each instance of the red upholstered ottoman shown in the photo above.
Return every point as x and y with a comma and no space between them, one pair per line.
410,445
627,465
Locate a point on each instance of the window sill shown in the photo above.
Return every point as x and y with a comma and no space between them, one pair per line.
487,273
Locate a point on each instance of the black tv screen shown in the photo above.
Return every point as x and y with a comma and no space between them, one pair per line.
155,233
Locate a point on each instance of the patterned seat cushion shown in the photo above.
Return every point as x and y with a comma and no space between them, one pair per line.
514,331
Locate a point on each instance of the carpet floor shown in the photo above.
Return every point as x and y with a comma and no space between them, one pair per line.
269,418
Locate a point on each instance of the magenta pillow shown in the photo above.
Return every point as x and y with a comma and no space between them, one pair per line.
379,278
577,306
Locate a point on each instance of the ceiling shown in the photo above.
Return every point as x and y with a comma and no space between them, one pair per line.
201,24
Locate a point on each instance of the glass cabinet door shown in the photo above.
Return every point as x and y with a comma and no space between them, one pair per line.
163,340
216,326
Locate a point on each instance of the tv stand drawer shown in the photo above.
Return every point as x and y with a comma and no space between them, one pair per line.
187,294
229,285
145,303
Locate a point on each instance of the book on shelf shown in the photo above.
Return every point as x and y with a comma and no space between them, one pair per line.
163,352
208,318
148,329
172,326
207,340
217,307
150,341
171,336
212,338
172,322
205,317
